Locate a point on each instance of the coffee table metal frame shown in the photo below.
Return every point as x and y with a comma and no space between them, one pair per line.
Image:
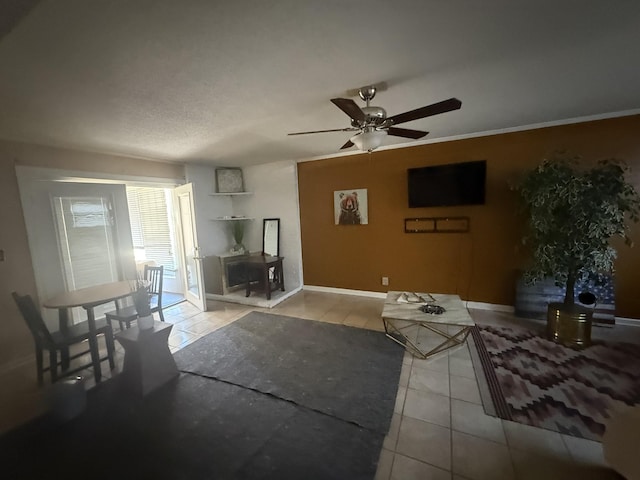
395,313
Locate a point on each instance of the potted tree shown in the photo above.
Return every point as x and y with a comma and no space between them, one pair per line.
573,210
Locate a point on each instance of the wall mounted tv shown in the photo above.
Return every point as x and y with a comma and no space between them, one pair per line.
447,185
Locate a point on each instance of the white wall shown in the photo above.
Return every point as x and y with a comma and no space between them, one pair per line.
213,236
275,187
275,195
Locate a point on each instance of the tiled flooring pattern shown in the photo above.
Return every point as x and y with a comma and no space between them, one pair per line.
439,429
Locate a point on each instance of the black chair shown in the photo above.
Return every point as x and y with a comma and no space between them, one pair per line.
126,315
60,341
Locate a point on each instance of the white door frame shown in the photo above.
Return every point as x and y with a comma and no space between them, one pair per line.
190,261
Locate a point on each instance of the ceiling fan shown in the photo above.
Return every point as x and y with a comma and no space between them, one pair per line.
373,125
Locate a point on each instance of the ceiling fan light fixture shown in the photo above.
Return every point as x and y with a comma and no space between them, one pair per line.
369,140
374,125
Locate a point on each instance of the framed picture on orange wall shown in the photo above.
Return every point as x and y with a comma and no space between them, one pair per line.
350,207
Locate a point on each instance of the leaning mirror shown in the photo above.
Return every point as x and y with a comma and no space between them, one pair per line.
271,236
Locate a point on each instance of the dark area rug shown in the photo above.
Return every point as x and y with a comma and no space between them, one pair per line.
537,382
340,371
266,397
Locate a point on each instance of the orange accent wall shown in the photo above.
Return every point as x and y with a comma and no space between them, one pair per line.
481,265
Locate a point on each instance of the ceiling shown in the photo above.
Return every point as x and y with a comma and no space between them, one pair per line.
224,82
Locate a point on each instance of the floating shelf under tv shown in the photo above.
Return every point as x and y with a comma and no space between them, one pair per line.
436,225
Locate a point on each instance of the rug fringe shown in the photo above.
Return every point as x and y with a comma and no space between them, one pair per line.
502,408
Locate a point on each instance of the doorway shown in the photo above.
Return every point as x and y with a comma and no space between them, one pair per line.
163,231
154,237
80,233
193,273
78,236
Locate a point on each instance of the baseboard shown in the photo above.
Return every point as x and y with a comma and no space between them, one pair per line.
365,293
494,307
345,291
628,322
17,363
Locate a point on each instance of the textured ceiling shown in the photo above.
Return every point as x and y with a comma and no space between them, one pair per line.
224,82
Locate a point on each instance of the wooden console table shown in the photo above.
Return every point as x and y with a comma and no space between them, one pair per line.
148,362
261,265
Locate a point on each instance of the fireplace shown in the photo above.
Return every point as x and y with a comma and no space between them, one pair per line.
224,273
234,273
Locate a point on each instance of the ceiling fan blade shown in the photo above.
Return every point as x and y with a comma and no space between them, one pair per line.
406,133
434,109
350,129
347,145
349,107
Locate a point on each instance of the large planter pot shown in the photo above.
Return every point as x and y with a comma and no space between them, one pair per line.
532,300
569,325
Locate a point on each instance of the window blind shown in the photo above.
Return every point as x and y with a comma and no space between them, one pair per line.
149,214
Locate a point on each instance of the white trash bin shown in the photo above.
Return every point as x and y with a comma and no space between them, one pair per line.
67,398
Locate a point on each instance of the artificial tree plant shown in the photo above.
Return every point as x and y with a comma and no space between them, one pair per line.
237,231
573,210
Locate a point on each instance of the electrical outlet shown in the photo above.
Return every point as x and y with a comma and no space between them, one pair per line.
385,280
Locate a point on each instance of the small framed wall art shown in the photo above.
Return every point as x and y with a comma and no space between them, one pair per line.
350,207
229,180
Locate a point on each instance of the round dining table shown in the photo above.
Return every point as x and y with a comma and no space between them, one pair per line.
88,298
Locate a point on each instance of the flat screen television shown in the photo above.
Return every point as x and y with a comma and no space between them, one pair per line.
447,185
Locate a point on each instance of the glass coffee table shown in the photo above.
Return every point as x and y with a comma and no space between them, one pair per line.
403,321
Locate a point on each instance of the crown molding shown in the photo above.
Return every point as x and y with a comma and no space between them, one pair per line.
487,133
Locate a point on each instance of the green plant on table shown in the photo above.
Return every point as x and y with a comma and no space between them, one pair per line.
141,298
237,231
573,210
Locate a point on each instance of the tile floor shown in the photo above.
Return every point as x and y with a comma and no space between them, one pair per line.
439,429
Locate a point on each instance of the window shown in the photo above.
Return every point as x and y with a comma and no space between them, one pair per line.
151,228
86,238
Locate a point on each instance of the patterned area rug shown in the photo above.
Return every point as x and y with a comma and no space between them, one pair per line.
538,382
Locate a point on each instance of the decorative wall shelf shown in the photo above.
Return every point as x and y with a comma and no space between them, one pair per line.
436,225
231,194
